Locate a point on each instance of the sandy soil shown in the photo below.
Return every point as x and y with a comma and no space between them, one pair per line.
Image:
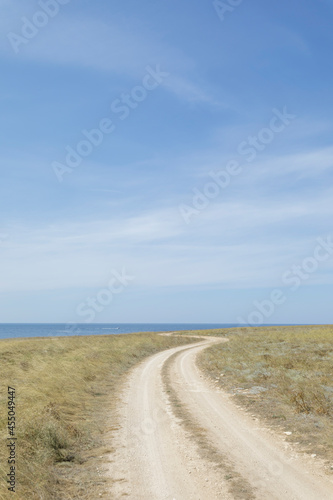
157,458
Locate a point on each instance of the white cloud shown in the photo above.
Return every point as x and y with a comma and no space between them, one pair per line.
232,244
307,164
113,48
186,90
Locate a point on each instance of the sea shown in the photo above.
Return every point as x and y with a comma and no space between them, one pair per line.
25,330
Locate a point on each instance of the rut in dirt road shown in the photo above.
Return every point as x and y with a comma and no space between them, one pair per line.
157,459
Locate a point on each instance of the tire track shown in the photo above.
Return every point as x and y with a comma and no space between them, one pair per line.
157,457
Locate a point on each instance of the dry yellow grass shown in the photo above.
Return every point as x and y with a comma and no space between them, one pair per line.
66,391
282,374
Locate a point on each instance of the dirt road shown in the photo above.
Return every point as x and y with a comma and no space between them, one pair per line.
157,456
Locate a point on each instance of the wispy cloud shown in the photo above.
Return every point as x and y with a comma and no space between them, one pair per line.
241,244
121,207
114,48
187,90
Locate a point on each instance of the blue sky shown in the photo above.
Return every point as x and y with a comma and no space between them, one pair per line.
251,86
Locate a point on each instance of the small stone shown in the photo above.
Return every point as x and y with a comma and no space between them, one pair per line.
288,433
313,455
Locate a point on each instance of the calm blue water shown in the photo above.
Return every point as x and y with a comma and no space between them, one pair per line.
17,330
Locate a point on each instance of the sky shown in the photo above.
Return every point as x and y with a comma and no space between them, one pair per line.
166,161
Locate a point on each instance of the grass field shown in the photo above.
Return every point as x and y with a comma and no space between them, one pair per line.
285,376
66,393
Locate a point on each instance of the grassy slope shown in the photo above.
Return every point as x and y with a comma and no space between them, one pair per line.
66,391
282,374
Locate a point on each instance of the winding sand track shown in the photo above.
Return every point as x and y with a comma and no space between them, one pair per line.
157,459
